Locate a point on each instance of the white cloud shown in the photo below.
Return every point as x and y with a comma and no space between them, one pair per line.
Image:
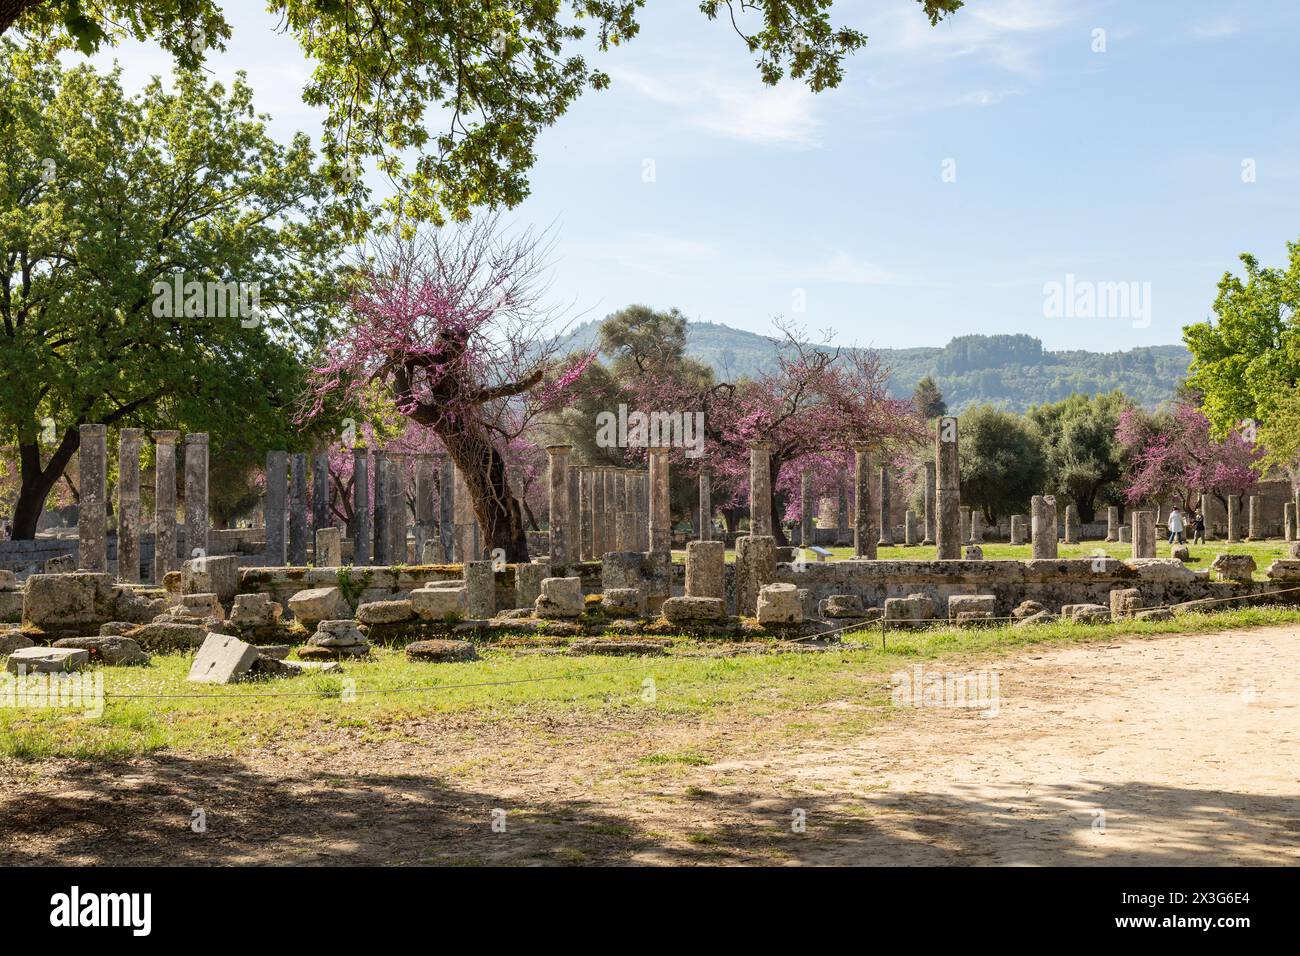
747,111
985,97
1213,29
845,268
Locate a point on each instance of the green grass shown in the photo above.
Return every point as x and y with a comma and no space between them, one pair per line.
393,694
1264,552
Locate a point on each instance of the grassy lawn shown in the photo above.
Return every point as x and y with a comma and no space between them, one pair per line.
153,708
1264,552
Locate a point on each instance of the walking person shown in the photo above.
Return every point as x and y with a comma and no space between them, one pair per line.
1176,526
1198,528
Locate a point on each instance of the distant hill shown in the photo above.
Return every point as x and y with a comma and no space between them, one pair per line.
1013,371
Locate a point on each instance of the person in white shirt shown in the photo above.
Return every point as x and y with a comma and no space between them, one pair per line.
1176,526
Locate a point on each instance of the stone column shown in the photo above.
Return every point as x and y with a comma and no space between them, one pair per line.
466,522
557,464
586,516
886,508
705,569
383,532
976,526
964,523
1112,523
947,492
1017,529
841,512
910,536
297,510
760,488
1255,519
1071,526
1288,524
480,589
92,521
320,492
613,504
865,538
1234,514
196,494
806,523
164,519
398,524
624,482
447,508
425,506
277,500
645,509
929,502
599,506
360,507
1205,513
1043,527
1144,534
574,530
128,504
661,532
706,503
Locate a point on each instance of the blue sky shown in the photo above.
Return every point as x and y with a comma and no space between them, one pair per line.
1116,166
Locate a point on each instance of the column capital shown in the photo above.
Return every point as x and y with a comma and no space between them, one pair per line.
130,435
166,437
196,438
558,449
760,445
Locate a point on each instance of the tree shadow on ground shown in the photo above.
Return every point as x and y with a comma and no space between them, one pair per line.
144,813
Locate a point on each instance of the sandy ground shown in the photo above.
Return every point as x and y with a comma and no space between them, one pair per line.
1179,750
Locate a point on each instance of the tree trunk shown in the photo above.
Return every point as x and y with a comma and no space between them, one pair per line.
36,483
495,505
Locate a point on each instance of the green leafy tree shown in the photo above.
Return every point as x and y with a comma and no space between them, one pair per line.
109,205
450,99
928,399
1246,359
1084,463
1002,463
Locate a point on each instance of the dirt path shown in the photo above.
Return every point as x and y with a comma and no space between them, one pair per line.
1189,745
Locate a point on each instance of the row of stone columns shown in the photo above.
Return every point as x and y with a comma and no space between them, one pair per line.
92,523
596,509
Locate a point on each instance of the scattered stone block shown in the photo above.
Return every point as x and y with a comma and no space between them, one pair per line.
216,575
113,651
1154,614
623,602
528,583
46,660
385,612
982,604
171,582
560,598
222,659
439,604
202,606
277,651
278,667
319,604
1124,602
344,633
974,552
842,605
973,618
63,564
1284,570
313,652
694,610
1027,609
1234,567
255,611
910,611
441,651
161,638
11,641
1036,619
1087,613
1180,552
53,602
779,604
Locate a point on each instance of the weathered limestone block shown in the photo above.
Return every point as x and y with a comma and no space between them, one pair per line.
222,659
528,582
755,567
1154,614
216,575
779,604
439,604
1034,620
255,610
842,605
621,569
974,552
63,564
319,604
1086,613
1180,552
1027,609
441,651
560,598
1234,567
1144,534
329,548
113,651
973,618
11,607
694,610
63,602
385,612
1125,534
203,606
624,602
336,634
706,569
46,660
164,637
11,641
909,611
1124,603
480,589
1294,551
1284,570
986,604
